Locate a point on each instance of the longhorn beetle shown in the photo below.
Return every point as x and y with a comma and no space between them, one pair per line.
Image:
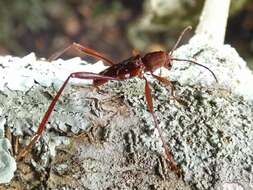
135,66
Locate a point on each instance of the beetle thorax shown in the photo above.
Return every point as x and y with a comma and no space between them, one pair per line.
156,60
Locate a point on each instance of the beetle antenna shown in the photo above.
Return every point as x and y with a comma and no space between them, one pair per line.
188,28
194,62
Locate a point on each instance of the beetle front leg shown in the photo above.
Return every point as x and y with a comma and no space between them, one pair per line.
172,87
168,153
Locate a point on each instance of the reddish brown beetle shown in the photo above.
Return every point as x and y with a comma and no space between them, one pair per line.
135,66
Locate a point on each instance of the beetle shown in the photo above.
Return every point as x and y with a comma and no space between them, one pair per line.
135,66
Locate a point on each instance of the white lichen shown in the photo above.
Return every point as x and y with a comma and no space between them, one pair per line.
22,73
230,69
7,162
207,113
210,138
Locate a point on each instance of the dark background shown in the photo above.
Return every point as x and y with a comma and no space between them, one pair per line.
45,26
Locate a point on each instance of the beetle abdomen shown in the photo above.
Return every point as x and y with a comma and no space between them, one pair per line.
124,70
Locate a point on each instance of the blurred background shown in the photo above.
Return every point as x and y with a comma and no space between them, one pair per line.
113,27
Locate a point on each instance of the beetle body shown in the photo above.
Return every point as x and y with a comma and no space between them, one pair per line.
135,66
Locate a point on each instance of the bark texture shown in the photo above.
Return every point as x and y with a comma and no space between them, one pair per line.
112,143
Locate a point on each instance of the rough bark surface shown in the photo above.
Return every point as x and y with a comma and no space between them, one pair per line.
105,151
110,141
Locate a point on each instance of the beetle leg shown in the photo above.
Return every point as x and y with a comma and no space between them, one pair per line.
42,125
172,87
88,51
168,153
